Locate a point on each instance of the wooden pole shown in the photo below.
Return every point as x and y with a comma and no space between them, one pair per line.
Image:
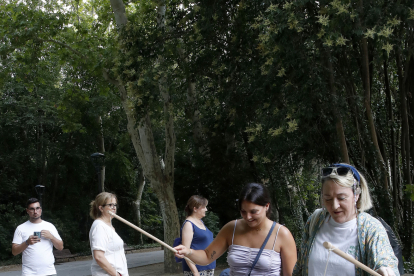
337,251
146,234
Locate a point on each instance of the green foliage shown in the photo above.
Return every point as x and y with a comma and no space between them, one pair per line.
409,190
10,217
211,220
151,214
408,267
267,110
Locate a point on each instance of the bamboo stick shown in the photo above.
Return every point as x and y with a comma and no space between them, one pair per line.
337,251
146,234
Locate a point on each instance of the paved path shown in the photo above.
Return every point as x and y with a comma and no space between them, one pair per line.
83,268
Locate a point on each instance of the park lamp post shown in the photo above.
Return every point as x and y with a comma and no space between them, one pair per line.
40,190
98,161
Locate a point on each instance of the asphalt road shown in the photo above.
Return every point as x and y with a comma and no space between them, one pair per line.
83,268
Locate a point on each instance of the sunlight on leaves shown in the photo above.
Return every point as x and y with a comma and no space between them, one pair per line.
386,32
293,125
328,42
272,7
281,72
393,22
341,41
287,5
292,21
411,14
370,33
388,48
323,19
265,160
275,132
321,33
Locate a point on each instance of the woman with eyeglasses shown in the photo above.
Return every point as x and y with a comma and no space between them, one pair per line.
256,245
342,222
106,245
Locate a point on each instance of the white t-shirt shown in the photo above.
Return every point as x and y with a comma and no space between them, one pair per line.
341,235
37,258
103,237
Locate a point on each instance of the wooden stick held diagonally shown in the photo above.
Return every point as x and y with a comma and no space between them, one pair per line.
337,251
147,234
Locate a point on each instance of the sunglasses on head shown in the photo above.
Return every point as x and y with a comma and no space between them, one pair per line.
342,171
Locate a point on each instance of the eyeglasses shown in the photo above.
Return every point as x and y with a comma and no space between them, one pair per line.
342,171
33,209
111,205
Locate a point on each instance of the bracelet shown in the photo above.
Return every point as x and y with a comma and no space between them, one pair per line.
191,252
26,241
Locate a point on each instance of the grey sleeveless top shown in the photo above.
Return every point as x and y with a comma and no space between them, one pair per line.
240,259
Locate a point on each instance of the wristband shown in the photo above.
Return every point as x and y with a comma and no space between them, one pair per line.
26,241
191,252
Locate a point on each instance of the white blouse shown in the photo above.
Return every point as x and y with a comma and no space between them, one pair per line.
344,237
104,238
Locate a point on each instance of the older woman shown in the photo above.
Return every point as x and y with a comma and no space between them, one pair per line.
342,221
196,235
106,245
243,239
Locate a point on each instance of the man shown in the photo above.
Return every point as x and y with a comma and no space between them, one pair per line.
37,251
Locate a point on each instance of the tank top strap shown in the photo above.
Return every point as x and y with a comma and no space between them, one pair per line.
192,224
234,230
274,243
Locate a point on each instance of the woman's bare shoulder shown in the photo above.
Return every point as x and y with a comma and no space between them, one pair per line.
284,235
229,225
283,231
227,229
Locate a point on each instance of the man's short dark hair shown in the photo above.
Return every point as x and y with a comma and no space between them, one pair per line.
31,201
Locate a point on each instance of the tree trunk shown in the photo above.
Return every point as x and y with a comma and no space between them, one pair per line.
160,173
370,118
339,126
406,158
194,112
351,88
164,186
101,149
379,162
137,202
393,159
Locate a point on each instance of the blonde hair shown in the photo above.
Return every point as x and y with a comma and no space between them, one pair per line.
364,201
100,199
